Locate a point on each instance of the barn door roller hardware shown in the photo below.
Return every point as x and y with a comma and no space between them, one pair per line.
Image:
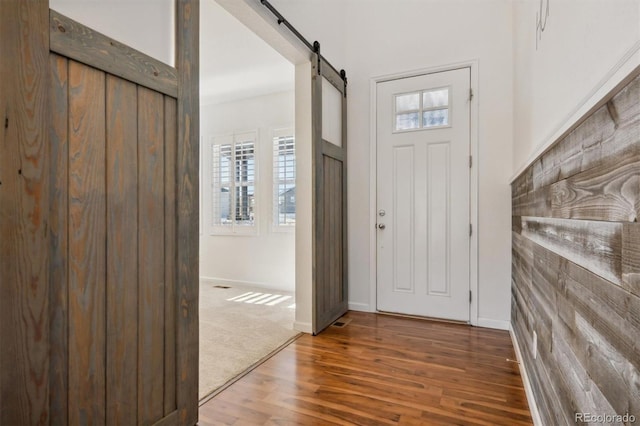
315,47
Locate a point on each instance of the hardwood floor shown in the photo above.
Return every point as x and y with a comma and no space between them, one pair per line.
381,370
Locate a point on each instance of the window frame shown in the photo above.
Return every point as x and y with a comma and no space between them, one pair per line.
215,184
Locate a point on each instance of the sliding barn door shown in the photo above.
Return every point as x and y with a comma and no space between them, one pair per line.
98,224
121,336
329,115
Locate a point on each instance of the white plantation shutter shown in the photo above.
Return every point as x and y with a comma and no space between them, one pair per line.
245,182
233,183
284,178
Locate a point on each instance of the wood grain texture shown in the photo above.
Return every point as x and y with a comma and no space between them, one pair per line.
381,370
76,41
575,263
631,257
87,249
187,63
170,238
594,245
122,250
151,270
533,203
24,209
59,230
608,192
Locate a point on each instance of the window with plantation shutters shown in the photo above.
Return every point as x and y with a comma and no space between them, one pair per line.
233,183
284,179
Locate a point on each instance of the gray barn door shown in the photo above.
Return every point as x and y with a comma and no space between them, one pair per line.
98,224
121,341
329,106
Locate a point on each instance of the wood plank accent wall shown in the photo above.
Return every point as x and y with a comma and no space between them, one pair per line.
576,265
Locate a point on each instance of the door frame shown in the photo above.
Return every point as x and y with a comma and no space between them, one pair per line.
473,178
262,22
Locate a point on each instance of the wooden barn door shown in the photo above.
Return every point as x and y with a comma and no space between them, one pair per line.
329,115
118,341
98,224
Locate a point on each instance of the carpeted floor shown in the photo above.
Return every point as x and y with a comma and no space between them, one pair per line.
238,327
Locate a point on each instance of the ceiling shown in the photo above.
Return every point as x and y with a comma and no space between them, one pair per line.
235,63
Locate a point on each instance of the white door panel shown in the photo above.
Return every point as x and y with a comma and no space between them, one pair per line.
423,193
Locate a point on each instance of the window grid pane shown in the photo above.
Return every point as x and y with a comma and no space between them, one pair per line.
284,177
407,121
422,110
409,102
435,98
436,117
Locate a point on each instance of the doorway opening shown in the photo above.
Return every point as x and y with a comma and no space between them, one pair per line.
248,199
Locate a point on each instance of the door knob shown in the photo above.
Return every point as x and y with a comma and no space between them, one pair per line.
381,225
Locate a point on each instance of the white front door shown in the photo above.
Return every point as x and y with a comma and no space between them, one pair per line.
423,195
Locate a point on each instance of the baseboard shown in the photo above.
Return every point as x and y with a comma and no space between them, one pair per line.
528,390
303,327
361,307
493,323
232,283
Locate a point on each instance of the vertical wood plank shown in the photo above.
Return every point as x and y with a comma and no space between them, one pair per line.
122,250
329,229
336,237
24,209
187,63
340,221
324,264
151,268
58,283
87,236
170,141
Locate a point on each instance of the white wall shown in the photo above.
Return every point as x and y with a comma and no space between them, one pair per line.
384,37
574,65
145,25
268,258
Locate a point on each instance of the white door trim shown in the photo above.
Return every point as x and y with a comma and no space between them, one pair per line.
473,189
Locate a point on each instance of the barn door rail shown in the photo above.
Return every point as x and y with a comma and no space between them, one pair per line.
315,47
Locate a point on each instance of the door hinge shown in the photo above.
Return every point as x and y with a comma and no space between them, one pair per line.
470,229
470,161
470,94
469,296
